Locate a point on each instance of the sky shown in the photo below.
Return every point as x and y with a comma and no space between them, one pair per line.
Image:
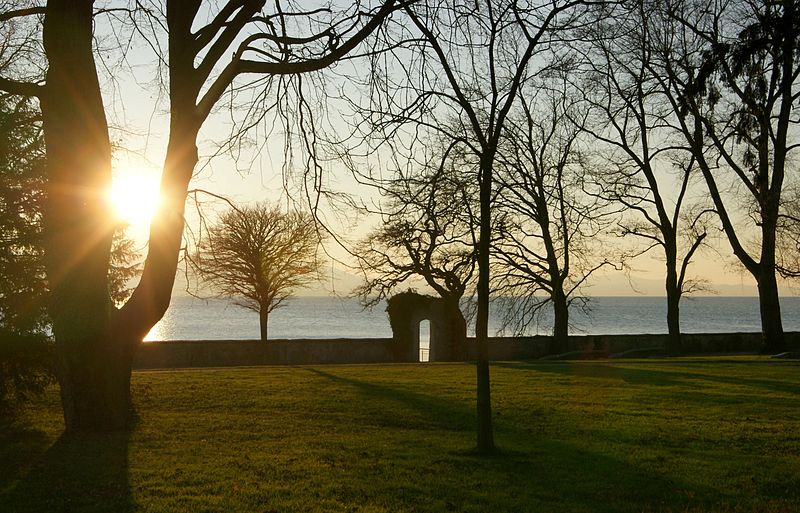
135,193
137,115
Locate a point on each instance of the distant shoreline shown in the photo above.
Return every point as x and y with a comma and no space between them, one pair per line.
322,317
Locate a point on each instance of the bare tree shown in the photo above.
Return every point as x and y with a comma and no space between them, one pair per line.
258,256
208,52
552,233
634,126
455,69
427,234
729,71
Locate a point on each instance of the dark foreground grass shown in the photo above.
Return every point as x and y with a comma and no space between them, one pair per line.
573,437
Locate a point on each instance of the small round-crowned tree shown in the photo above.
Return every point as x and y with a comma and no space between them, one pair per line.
258,256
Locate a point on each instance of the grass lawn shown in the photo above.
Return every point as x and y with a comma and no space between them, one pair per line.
643,436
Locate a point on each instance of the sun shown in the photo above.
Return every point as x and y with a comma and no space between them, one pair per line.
134,196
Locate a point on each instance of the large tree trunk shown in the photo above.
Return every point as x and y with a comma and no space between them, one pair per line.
152,296
457,330
93,368
484,399
95,387
673,344
768,298
263,320
95,343
770,307
560,341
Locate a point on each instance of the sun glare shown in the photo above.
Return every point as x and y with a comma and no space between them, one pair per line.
134,196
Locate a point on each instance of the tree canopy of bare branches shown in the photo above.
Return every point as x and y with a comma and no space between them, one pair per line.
206,51
259,256
645,168
551,232
454,69
730,73
427,232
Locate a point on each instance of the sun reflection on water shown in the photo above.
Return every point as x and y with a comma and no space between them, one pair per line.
161,330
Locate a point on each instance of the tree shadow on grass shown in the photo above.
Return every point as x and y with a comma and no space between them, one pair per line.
529,472
87,473
652,376
630,375
772,385
431,412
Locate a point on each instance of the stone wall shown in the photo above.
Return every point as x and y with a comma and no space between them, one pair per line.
233,353
236,353
522,348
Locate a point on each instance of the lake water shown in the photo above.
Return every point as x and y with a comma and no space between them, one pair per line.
330,317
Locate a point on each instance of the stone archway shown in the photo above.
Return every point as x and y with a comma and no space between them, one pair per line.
448,329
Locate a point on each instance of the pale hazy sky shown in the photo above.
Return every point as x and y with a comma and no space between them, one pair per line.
137,115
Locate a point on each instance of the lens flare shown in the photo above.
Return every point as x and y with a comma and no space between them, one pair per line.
134,196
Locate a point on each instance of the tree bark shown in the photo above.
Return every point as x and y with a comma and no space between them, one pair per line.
93,365
263,319
765,275
560,341
769,304
484,399
95,343
152,296
673,344
458,332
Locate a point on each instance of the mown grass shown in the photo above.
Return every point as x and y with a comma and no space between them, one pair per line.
654,436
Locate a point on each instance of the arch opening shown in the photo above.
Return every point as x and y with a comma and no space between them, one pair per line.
425,340
426,326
